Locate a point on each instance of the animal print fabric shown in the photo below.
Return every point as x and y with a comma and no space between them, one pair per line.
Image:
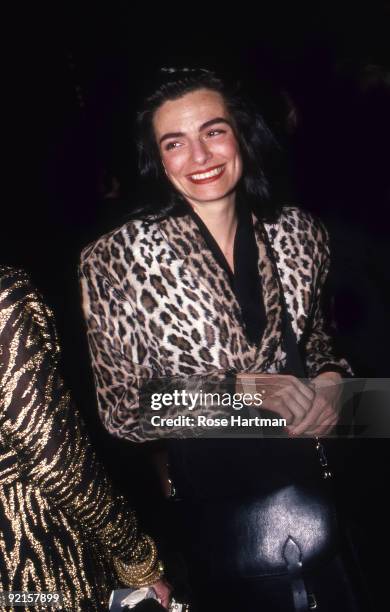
61,523
157,304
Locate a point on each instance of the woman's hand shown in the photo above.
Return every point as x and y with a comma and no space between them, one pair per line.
324,413
281,393
163,592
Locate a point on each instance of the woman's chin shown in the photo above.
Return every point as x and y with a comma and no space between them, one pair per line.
205,198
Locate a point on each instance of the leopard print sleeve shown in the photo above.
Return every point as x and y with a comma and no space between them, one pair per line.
320,351
117,353
125,372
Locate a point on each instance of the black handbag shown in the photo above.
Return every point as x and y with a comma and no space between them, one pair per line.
284,527
260,512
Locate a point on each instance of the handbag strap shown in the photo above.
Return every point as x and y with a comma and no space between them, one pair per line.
292,555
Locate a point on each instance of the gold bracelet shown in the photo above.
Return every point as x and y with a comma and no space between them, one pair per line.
140,574
129,574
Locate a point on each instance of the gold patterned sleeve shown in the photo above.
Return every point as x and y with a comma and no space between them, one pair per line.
43,427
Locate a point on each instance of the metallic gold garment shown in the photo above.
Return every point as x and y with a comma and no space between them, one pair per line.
61,524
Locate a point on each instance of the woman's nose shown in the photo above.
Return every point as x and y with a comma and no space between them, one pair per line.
200,152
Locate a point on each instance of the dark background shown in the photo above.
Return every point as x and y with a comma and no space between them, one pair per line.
320,74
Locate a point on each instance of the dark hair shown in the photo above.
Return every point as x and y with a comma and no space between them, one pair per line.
255,139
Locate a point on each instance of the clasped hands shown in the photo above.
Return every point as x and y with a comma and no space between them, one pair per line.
309,409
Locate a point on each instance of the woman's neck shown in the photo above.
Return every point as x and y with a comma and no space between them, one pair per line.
220,218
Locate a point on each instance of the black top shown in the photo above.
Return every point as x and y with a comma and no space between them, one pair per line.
245,281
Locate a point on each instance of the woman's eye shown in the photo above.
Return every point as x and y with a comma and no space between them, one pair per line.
215,132
171,145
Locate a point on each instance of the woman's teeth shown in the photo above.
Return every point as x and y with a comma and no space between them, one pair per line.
205,175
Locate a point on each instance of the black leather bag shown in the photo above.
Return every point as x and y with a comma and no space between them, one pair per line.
257,510
269,535
286,530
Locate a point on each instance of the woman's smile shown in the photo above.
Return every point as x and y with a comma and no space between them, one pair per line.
209,175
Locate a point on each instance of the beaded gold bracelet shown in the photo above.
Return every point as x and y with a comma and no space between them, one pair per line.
140,574
128,574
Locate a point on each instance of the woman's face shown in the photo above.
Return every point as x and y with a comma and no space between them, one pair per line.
198,147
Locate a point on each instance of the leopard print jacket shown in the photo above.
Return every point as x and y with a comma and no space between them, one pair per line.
157,304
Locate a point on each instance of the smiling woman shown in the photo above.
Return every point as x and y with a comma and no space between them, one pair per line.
203,159
225,115
213,283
